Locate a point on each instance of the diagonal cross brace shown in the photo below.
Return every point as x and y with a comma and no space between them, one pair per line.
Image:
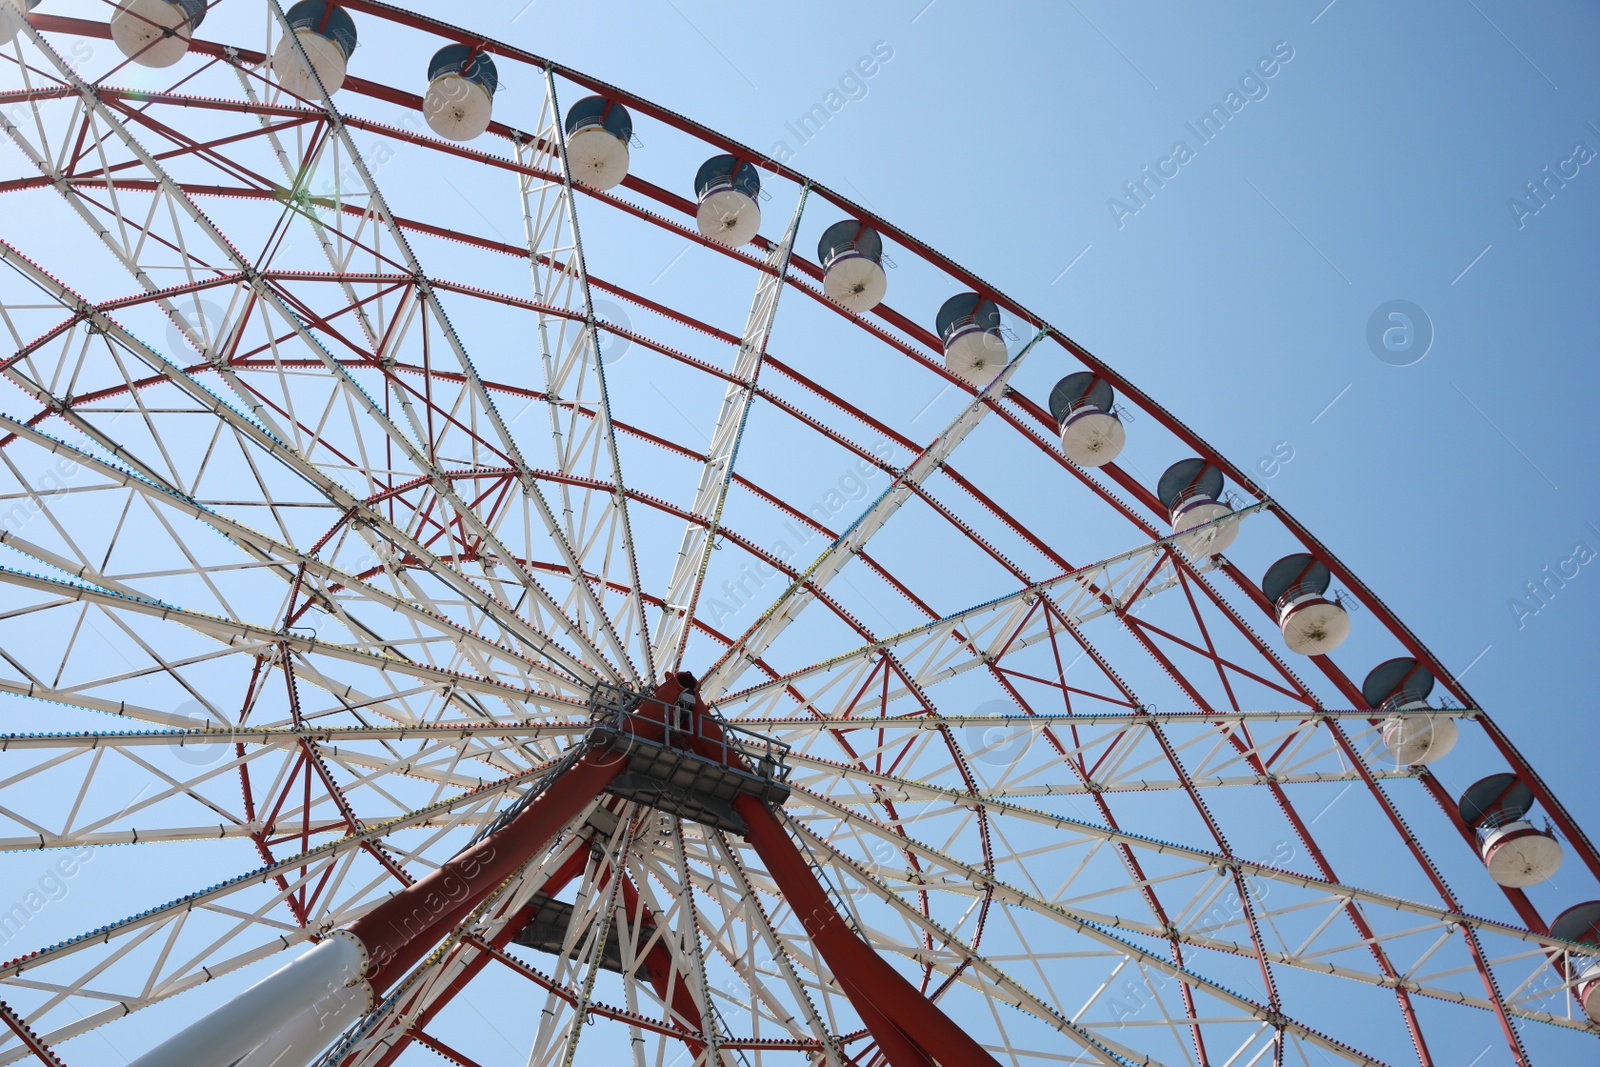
793,600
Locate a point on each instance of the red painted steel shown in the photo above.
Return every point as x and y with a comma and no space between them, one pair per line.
403,929
863,975
30,1040
673,991
910,1029
571,868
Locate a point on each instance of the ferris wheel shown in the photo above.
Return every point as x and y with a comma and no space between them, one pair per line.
531,579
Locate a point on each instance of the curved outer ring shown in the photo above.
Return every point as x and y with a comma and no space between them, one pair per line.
1143,494
1122,479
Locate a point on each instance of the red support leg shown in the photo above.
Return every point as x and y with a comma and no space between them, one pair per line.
402,930
895,1046
909,1028
564,874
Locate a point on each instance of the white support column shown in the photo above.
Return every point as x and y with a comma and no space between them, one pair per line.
263,436
320,988
273,440
590,352
605,634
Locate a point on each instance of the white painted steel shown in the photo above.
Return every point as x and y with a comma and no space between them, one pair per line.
314,981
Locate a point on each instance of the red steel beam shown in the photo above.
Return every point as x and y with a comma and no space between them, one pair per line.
909,1028
403,929
657,962
569,869
658,966
32,1041
1409,640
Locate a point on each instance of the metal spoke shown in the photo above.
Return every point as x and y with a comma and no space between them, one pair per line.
833,559
308,574
711,495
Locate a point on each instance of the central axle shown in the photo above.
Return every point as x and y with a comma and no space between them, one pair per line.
664,750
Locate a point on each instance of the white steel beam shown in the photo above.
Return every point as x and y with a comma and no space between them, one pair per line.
803,591
716,475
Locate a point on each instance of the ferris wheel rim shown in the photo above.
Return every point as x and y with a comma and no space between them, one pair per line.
1146,402
1148,405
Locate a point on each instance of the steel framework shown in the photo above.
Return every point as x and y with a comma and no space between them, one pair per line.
337,494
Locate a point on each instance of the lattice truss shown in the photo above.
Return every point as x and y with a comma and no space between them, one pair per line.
324,505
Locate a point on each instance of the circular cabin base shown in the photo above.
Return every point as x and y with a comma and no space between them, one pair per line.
139,30
1519,855
976,355
853,281
1313,626
1416,740
728,217
1588,991
597,157
1091,437
13,14
295,76
1213,539
457,108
